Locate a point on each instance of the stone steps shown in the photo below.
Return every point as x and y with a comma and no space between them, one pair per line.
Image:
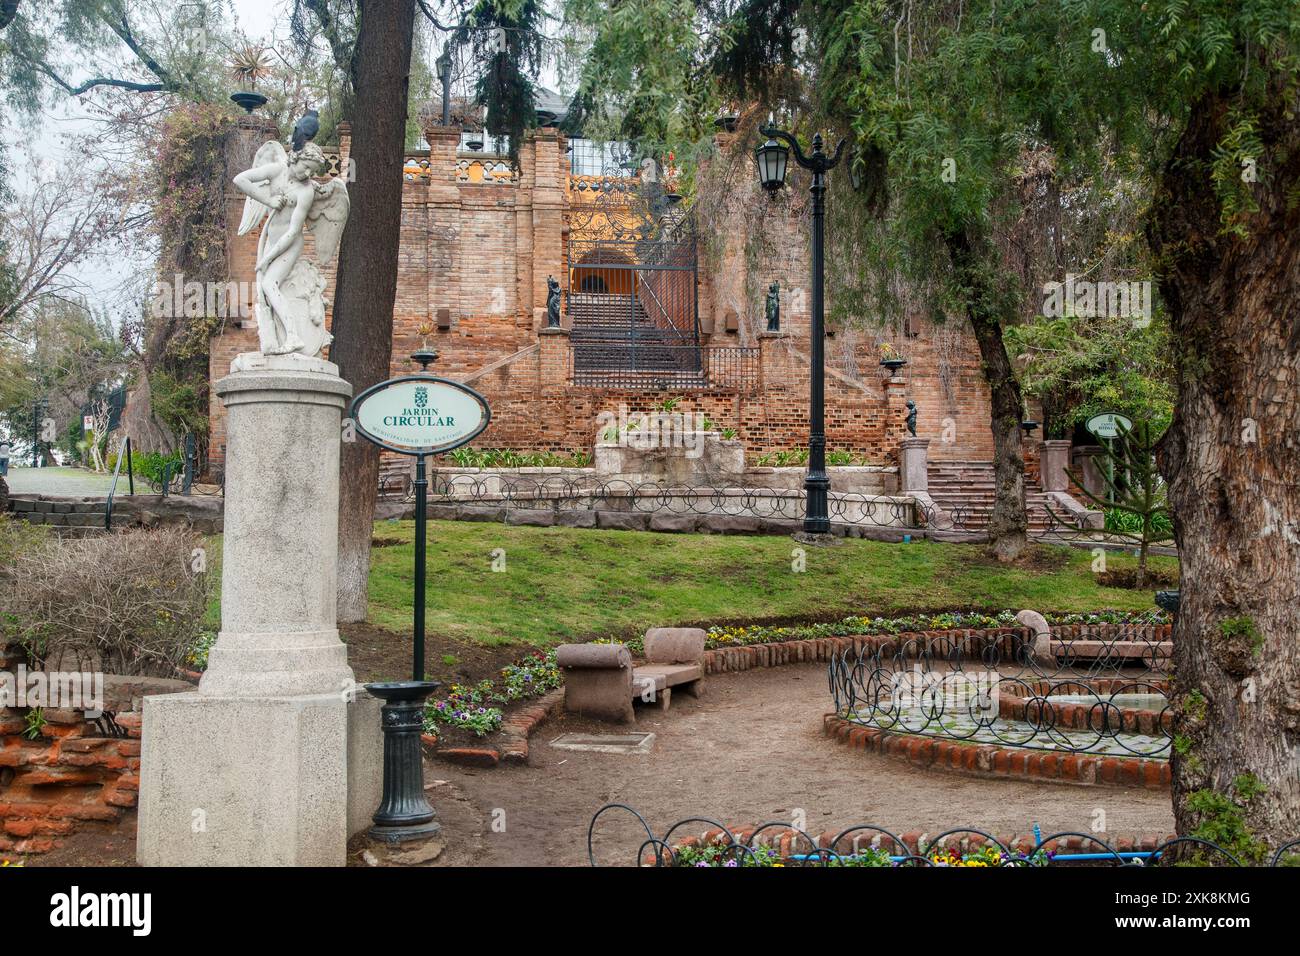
968,488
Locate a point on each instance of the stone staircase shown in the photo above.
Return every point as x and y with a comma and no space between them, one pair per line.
966,489
615,339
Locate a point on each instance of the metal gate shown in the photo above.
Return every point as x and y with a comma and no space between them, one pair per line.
632,310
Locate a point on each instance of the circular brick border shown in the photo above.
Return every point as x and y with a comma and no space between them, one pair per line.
994,761
1085,716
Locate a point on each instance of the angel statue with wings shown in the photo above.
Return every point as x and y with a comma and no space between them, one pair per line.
290,289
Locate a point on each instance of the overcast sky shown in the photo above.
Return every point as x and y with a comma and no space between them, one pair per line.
50,156
262,21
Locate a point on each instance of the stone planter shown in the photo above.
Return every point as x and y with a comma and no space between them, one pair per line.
672,458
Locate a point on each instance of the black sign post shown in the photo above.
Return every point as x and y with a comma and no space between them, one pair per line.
417,415
420,415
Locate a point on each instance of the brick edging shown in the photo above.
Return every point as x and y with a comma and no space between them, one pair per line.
814,650
996,761
512,744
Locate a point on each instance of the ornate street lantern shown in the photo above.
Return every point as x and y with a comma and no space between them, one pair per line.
773,158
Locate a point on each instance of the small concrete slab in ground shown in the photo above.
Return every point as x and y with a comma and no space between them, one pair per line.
605,743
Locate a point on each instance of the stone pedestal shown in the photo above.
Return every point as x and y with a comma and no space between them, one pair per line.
913,465
1055,459
774,355
277,758
1087,462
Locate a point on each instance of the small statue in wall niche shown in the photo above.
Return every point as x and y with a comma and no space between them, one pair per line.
911,417
774,307
552,302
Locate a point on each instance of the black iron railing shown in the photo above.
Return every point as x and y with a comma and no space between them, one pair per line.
123,452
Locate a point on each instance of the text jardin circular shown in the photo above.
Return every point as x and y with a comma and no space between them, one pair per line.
420,414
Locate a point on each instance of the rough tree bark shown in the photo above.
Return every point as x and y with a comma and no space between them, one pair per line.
367,277
1008,525
1232,459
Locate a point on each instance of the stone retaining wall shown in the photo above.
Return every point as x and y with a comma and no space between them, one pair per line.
203,513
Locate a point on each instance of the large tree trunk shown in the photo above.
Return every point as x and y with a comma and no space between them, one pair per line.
147,432
367,275
1008,525
1232,458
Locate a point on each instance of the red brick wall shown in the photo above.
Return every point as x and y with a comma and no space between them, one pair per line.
484,251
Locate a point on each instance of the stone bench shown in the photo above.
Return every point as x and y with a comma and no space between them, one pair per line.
601,681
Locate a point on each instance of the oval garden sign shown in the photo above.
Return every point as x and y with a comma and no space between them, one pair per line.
1108,425
420,414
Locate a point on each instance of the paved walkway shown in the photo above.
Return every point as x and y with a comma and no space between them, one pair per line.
59,481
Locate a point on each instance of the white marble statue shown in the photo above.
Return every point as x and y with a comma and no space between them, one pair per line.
290,304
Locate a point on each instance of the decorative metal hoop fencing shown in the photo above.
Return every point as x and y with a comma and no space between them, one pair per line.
574,489
704,841
1099,694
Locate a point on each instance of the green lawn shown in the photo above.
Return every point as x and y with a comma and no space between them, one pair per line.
563,583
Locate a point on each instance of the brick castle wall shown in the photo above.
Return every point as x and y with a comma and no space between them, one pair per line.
478,243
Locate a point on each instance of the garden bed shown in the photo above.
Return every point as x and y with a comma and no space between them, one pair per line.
698,843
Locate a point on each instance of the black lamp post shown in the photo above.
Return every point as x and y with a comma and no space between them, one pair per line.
773,160
444,77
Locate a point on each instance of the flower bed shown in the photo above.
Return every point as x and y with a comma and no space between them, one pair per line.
866,626
702,841
478,708
729,855
856,625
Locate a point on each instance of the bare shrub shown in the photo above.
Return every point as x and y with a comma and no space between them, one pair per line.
125,603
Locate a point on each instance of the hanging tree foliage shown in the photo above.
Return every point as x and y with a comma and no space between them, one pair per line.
189,220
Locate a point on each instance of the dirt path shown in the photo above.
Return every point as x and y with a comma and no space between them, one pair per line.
750,751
